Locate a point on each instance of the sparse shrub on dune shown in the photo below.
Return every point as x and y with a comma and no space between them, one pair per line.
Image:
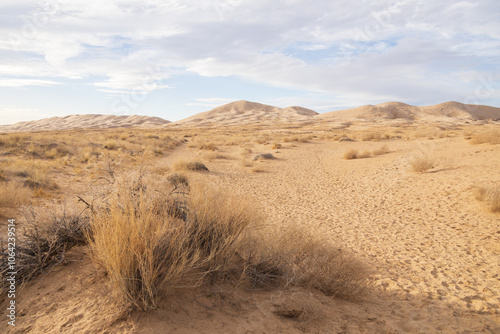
382,150
364,155
274,258
150,248
421,164
351,154
491,137
370,136
263,156
13,194
490,196
208,147
45,241
182,165
151,241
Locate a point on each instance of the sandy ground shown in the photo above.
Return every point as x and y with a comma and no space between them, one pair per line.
435,250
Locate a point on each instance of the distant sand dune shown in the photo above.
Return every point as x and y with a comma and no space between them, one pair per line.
245,113
90,121
393,110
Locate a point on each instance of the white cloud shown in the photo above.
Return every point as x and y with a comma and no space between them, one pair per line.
20,82
405,49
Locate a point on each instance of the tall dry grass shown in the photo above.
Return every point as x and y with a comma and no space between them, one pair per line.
13,194
489,195
490,136
421,164
152,237
150,242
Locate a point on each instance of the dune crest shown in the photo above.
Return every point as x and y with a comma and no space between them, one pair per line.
89,121
246,112
398,110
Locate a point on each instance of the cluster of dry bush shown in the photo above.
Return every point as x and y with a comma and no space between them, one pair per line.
151,240
153,235
355,154
489,195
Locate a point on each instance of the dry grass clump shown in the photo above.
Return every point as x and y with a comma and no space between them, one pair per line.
364,155
149,241
275,258
421,164
263,156
491,137
351,154
382,150
182,165
152,237
44,244
371,136
13,194
208,147
489,195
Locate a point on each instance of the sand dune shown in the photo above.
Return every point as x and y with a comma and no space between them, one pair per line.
91,121
245,112
398,110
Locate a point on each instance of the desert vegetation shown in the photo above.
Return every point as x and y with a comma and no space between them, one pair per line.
490,196
421,164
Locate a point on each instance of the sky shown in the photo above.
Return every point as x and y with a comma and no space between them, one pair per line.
173,59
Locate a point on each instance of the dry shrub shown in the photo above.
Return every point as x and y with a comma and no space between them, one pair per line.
44,244
182,165
370,136
149,241
491,137
111,145
274,258
382,150
351,154
13,194
421,164
489,195
263,156
364,155
208,147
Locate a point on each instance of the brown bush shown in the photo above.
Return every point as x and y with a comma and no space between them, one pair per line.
421,164
489,195
351,154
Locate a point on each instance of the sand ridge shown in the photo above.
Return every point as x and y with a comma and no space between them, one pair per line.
90,121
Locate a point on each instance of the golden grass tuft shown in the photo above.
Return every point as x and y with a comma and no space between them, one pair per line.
382,150
13,194
183,165
364,155
149,242
351,154
491,137
421,164
489,195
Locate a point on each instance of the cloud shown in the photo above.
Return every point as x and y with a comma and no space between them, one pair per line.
20,82
403,50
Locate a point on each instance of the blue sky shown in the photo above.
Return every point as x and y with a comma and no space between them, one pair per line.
173,59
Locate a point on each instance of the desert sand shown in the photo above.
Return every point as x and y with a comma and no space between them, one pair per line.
432,249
